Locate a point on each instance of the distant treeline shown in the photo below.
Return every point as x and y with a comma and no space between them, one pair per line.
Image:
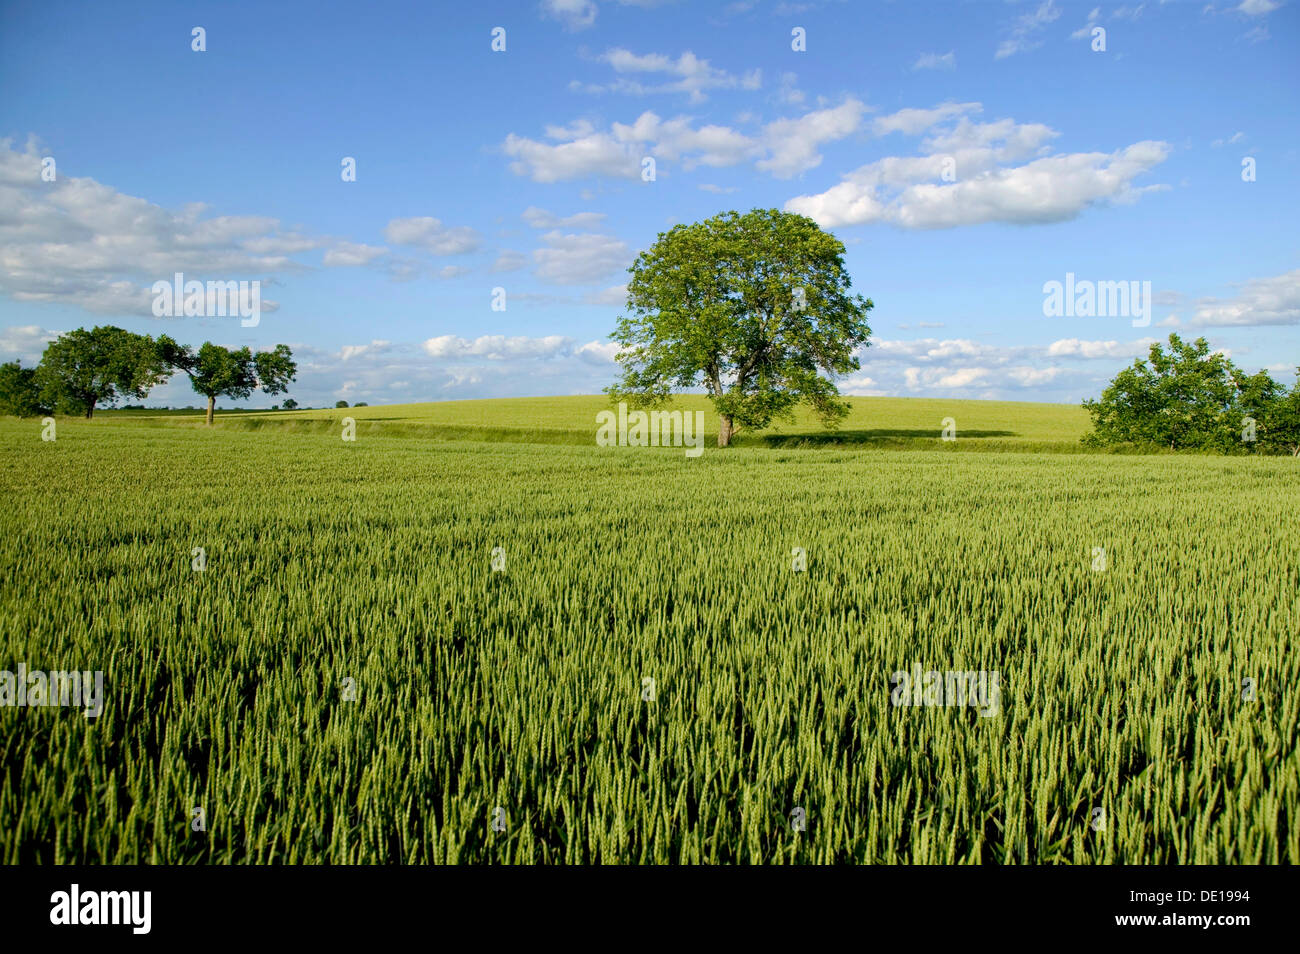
84,369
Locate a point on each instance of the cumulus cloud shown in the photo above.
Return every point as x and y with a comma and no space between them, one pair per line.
574,14
431,235
1077,348
784,147
24,342
579,259
1066,370
509,261
350,254
614,295
969,178
598,352
376,346
911,122
541,219
497,347
1261,301
793,143
75,241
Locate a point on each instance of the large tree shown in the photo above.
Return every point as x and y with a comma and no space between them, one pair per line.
756,308
82,369
216,372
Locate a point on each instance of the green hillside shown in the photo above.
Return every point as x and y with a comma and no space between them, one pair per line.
913,423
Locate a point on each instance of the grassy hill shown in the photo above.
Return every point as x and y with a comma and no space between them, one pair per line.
912,423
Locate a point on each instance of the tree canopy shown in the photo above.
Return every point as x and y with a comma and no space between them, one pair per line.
756,308
82,369
1192,397
215,371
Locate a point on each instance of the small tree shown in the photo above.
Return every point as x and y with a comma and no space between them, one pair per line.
215,371
754,307
20,394
340,403
84,368
290,404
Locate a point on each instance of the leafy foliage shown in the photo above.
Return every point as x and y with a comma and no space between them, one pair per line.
215,371
1190,397
754,307
82,369
20,392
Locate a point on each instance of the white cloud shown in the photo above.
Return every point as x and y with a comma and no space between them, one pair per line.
541,219
1085,31
788,93
1025,29
509,261
919,192
1257,8
1077,348
614,295
598,352
912,122
784,147
717,189
350,254
690,75
579,259
1262,301
430,234
25,342
587,155
496,347
793,143
574,14
936,61
376,346
77,242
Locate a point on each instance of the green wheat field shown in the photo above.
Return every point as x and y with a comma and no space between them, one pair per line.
348,680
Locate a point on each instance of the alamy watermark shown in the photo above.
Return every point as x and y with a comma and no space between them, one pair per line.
35,687
75,906
181,299
1089,299
948,688
651,429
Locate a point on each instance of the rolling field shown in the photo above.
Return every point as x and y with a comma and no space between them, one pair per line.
904,423
649,678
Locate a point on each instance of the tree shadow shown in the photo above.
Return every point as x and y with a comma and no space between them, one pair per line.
875,436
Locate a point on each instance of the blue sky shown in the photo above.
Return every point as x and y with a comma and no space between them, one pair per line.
522,170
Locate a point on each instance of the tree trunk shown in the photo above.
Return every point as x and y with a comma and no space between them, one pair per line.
90,409
725,430
212,400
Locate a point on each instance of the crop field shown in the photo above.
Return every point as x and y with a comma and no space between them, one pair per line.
480,648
